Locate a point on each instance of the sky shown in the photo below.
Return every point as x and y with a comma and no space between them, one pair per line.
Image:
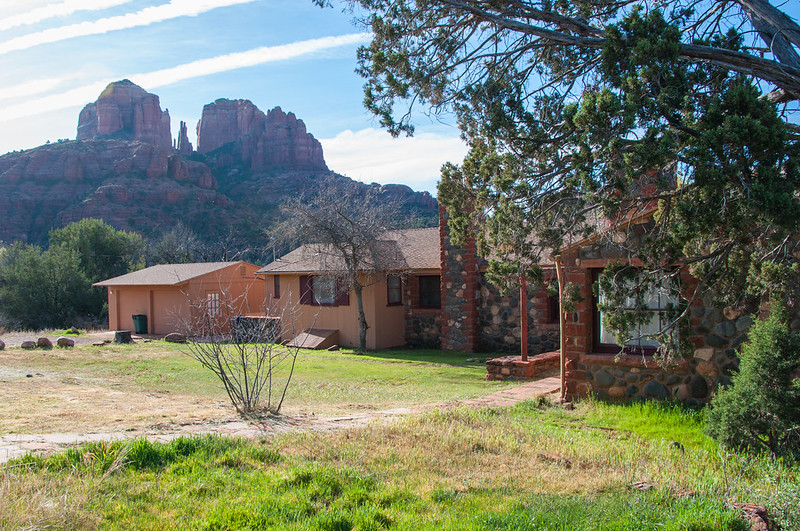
58,55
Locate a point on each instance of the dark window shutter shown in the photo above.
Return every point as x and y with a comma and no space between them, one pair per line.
306,289
342,292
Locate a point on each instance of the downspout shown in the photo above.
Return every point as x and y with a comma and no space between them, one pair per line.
561,324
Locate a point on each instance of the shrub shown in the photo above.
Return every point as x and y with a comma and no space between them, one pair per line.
761,409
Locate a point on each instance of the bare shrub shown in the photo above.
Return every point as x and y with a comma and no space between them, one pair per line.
244,351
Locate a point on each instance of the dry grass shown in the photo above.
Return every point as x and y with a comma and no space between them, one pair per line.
29,501
556,452
468,450
107,388
156,385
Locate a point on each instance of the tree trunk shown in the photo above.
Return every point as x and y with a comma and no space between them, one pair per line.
362,317
779,33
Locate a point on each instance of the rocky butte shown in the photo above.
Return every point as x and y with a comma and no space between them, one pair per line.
125,111
124,168
272,140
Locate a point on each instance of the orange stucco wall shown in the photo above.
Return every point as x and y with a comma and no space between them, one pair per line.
386,323
169,308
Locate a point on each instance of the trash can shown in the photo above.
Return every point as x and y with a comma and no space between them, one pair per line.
139,324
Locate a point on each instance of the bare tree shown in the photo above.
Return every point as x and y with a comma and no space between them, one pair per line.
244,352
345,226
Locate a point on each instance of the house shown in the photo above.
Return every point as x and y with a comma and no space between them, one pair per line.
170,295
590,359
309,281
430,293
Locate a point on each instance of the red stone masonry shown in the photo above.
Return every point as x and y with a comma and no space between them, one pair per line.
513,368
460,291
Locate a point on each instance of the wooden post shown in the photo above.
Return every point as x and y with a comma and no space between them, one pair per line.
523,316
561,324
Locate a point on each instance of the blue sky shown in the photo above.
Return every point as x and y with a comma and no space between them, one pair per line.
57,55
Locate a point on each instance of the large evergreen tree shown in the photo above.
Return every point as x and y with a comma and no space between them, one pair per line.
41,288
103,251
578,112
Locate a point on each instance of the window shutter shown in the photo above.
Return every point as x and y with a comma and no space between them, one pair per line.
306,289
342,292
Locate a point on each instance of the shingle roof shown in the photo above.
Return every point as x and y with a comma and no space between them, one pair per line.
167,274
400,250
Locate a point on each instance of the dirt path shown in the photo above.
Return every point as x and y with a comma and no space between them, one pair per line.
12,446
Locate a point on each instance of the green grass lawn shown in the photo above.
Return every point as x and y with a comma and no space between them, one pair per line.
528,467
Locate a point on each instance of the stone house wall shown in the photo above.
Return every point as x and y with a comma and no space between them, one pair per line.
475,316
715,334
498,321
423,325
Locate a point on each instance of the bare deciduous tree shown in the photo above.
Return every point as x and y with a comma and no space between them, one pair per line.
346,228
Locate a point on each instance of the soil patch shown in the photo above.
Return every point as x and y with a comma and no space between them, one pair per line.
141,418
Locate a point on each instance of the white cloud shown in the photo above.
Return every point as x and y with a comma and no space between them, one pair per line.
144,17
372,155
59,9
257,56
82,95
30,88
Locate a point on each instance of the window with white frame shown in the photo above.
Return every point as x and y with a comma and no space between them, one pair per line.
213,304
658,302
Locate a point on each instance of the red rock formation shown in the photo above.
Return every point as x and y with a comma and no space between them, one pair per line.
124,170
126,183
272,141
126,111
184,146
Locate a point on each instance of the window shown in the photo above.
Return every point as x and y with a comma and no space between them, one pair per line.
276,285
212,304
324,290
394,290
430,293
658,301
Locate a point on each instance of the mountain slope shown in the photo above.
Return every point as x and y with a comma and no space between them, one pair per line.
126,170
